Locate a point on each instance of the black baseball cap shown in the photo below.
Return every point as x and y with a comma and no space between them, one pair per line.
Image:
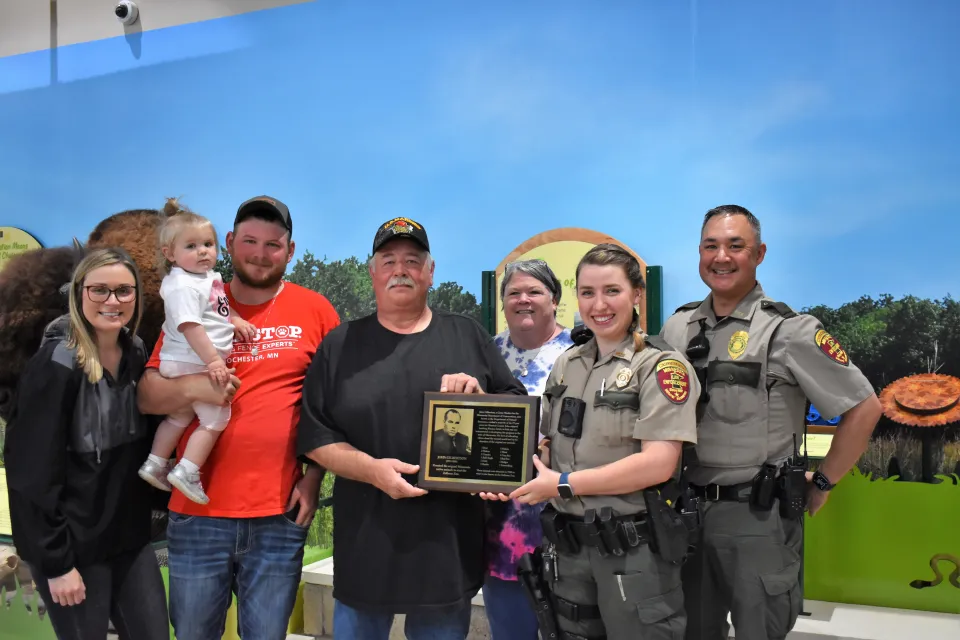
265,206
400,228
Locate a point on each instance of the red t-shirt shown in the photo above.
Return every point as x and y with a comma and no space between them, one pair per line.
253,466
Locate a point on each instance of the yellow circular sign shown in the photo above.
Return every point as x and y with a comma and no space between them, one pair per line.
563,258
562,249
13,242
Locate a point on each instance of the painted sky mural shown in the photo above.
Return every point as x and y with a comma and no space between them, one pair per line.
834,123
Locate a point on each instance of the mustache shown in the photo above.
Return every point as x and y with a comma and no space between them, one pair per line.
397,281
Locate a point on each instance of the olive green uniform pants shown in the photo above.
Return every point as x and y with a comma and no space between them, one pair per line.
639,595
748,565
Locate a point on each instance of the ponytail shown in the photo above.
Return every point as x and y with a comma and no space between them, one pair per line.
639,343
176,218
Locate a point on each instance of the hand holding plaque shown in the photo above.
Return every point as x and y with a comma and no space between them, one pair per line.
459,383
388,477
474,442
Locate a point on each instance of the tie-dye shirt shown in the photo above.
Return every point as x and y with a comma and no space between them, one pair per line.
514,529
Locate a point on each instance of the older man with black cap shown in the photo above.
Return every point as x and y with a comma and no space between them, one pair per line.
398,549
249,538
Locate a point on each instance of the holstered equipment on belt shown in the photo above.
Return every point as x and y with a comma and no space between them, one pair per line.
594,538
608,533
788,485
764,490
669,536
681,496
793,491
556,530
793,485
548,605
538,592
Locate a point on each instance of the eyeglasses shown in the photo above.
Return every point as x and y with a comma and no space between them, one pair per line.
100,293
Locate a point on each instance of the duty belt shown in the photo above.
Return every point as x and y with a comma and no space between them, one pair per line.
723,493
609,533
585,533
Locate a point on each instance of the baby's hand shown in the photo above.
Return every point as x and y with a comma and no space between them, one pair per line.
243,330
218,372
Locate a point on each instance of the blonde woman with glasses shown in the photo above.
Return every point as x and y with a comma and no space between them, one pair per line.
80,514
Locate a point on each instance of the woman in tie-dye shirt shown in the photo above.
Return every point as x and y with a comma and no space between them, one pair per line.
531,344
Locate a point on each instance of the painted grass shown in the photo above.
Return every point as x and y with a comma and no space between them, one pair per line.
874,537
17,623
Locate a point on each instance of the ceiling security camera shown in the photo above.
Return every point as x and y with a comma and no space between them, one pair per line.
126,12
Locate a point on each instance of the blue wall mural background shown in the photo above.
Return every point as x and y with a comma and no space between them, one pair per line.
835,123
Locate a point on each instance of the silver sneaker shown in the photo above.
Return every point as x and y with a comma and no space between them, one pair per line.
188,484
155,474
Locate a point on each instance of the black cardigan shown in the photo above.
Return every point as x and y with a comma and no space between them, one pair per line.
72,453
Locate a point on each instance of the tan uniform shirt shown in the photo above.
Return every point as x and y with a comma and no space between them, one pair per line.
646,395
764,366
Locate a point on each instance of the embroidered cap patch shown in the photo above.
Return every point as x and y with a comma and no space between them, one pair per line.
673,380
831,348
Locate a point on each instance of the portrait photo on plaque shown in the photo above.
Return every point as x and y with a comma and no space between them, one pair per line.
478,442
452,431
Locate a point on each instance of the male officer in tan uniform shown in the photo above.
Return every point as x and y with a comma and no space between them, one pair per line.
763,363
630,397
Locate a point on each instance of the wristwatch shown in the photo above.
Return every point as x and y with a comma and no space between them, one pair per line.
821,481
563,486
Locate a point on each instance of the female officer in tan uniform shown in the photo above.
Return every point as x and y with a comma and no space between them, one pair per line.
638,406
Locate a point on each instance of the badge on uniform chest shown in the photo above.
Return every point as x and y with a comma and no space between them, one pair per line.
623,377
737,345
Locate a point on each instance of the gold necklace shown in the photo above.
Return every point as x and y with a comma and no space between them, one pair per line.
256,349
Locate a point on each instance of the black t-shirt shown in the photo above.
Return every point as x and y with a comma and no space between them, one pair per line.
365,387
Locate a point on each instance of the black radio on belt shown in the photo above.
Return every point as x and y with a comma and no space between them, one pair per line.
793,486
571,417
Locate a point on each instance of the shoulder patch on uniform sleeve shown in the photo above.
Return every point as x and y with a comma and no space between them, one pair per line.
690,305
673,380
831,348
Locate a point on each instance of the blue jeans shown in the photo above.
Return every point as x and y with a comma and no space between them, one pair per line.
259,559
352,624
509,612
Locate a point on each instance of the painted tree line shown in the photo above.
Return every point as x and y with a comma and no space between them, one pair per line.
889,339
346,284
885,337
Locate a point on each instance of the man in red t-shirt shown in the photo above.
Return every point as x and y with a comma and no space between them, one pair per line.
249,538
